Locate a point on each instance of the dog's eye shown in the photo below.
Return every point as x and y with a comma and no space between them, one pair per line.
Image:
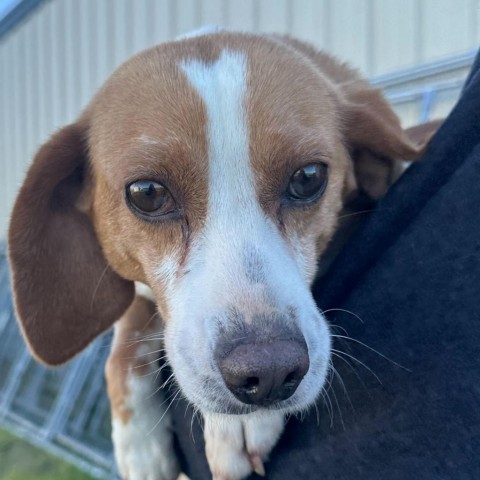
150,198
309,182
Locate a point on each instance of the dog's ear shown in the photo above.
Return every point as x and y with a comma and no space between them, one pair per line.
423,132
65,292
375,138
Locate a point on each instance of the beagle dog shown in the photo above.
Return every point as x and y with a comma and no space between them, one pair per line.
213,170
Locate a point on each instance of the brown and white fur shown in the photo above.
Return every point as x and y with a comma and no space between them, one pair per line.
223,120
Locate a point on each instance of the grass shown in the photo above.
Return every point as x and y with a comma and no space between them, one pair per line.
20,461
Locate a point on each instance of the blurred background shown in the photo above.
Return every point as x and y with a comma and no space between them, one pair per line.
54,54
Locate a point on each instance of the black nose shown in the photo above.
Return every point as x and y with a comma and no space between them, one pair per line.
264,373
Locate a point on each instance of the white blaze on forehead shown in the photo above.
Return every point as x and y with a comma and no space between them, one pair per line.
235,220
222,86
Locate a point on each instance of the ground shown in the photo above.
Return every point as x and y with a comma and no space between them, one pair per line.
21,461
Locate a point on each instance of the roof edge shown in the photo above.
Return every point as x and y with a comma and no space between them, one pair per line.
17,14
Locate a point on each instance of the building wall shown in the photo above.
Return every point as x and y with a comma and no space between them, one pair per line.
51,63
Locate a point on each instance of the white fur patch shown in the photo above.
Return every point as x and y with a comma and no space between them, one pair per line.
234,216
144,291
143,452
222,86
233,442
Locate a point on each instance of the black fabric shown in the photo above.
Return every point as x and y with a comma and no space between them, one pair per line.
411,276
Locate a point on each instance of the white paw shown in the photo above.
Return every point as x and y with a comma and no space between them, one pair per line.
147,458
237,445
143,448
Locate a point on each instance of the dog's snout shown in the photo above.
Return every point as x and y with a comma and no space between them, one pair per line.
264,373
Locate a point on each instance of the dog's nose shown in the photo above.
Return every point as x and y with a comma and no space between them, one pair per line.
264,373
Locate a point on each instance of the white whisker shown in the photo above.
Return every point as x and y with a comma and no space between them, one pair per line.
338,408
354,371
338,352
156,360
342,310
361,212
372,349
328,404
342,383
98,285
164,413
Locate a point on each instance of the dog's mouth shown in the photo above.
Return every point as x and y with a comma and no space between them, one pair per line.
237,409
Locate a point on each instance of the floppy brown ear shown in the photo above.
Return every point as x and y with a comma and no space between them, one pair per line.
65,292
376,139
422,133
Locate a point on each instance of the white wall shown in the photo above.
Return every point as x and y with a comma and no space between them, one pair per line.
52,63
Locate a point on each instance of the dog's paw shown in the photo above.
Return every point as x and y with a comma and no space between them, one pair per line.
143,441
237,445
144,457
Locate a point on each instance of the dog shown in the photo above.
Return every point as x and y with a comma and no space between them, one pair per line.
192,204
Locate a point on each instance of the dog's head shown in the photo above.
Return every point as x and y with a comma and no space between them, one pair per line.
213,169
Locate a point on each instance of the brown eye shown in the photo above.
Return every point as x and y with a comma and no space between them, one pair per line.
308,183
150,198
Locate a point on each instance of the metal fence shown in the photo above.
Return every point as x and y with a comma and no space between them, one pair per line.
65,410
428,91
